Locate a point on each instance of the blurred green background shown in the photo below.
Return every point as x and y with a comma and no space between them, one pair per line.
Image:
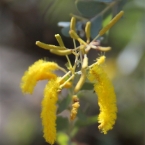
22,23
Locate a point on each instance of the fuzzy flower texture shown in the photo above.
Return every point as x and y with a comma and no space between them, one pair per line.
45,70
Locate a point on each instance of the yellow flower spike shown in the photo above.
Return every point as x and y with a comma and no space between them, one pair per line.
73,24
38,71
59,40
48,46
87,31
112,22
106,97
45,76
75,107
49,108
101,60
75,98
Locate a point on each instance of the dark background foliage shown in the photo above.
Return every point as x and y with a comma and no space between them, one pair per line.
23,22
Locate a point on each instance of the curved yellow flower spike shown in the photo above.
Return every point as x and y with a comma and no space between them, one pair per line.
106,98
40,70
48,114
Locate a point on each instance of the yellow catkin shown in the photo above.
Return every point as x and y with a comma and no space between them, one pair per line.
106,98
111,23
75,107
101,60
49,108
38,71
